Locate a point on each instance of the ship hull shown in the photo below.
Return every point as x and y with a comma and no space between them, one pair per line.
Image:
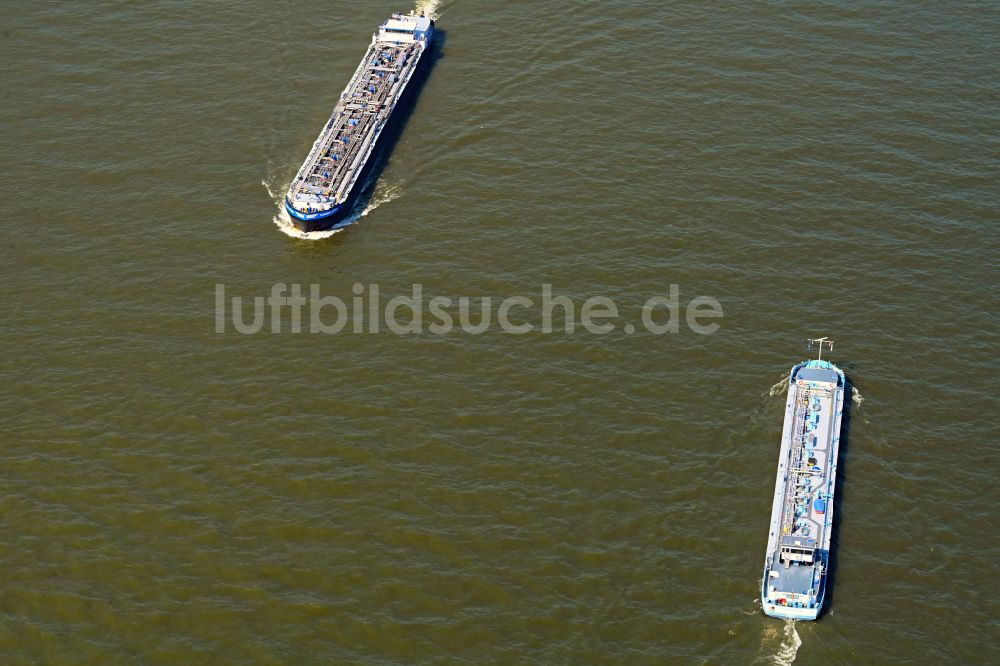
326,220
318,221
797,562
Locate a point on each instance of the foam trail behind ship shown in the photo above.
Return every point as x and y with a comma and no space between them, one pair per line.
787,649
428,7
780,387
790,644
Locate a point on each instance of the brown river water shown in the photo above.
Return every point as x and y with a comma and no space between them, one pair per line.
170,494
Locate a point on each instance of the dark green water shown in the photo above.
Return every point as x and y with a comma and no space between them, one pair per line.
170,495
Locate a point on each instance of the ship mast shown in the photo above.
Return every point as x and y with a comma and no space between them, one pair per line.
821,341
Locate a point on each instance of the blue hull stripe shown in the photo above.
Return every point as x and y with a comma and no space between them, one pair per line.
322,215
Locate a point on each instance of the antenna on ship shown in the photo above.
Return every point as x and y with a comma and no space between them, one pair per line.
821,341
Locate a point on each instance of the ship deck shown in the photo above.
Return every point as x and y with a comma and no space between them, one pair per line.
340,153
796,579
809,460
803,514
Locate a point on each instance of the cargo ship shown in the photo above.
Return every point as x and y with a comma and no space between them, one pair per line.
797,562
331,179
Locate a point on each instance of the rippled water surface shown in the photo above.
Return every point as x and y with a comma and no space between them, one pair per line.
171,495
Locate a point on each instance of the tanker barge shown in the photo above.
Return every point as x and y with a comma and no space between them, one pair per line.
797,562
332,177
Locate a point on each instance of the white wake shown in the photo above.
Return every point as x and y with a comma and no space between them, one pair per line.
856,396
780,387
790,644
428,7
787,649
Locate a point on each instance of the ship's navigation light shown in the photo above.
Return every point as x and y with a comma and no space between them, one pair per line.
820,342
